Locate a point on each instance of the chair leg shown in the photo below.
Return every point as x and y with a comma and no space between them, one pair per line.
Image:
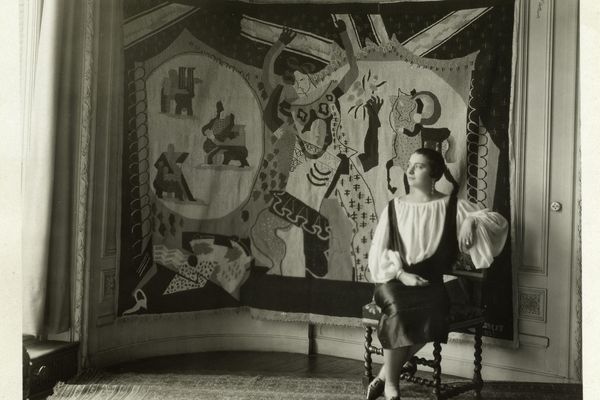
477,380
368,376
437,370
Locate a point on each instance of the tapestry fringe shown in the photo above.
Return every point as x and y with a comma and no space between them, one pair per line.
255,313
188,315
306,318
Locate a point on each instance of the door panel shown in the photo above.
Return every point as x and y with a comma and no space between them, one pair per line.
545,268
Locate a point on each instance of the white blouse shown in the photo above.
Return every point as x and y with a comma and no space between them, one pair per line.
421,226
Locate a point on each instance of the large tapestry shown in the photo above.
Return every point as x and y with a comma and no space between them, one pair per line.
263,141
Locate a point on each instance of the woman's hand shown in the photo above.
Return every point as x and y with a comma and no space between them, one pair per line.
340,25
466,236
373,106
287,35
409,279
390,261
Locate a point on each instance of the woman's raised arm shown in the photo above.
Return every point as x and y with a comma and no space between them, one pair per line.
268,71
481,233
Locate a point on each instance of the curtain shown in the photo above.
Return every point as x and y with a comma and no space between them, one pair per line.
50,173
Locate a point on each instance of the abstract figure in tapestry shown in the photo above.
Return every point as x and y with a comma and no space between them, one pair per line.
411,118
311,118
365,102
297,106
226,138
370,156
169,176
178,87
222,261
141,302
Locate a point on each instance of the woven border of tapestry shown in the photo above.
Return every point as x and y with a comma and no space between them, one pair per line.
262,142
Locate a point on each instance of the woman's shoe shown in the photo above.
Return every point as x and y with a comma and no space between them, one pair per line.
409,368
375,389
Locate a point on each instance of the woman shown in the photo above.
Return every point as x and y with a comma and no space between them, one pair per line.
417,238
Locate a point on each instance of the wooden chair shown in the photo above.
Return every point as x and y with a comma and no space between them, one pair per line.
466,316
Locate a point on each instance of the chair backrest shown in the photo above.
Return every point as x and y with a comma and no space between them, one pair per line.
463,266
468,287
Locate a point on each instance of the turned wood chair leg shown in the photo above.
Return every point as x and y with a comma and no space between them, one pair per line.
477,380
368,376
437,370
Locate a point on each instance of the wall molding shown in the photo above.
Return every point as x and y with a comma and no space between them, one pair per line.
85,166
108,124
549,84
575,369
534,341
451,364
545,152
201,343
562,298
576,286
104,212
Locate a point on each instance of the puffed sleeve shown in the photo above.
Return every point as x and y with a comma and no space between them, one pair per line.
384,264
490,233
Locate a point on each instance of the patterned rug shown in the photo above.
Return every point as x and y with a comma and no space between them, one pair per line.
136,386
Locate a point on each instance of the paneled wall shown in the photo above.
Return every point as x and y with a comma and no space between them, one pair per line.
545,231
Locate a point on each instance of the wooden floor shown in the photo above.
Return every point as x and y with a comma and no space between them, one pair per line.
319,366
249,363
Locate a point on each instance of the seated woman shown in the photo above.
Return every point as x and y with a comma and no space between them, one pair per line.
417,238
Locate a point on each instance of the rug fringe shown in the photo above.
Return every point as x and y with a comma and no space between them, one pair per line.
159,386
94,391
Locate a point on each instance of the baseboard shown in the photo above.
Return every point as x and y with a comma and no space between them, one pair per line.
198,344
353,348
146,339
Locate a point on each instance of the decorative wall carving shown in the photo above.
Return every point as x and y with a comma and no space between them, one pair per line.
108,284
532,304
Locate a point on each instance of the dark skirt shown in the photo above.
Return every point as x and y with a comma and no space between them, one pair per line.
411,314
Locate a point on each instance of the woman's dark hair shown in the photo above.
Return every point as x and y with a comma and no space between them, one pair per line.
438,167
436,162
293,64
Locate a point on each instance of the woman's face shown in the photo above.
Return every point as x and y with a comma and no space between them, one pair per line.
419,172
302,83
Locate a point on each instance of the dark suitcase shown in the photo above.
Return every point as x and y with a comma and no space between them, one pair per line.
45,363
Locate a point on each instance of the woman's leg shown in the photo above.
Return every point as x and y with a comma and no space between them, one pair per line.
414,349
381,374
393,360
